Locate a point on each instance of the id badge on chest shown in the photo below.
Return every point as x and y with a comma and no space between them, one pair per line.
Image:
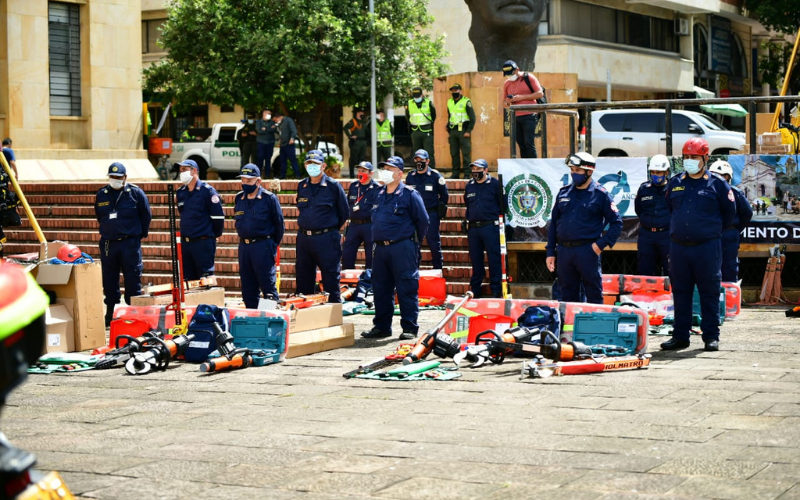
356,208
429,187
112,215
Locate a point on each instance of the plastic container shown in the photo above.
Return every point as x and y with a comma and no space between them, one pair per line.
497,322
433,288
267,334
159,146
607,328
133,327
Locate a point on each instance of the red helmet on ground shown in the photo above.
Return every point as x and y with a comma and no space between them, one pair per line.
696,146
69,253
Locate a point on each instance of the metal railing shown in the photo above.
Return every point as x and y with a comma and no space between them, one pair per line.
585,109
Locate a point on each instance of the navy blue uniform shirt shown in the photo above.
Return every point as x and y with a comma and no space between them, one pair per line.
484,200
361,197
430,185
201,211
322,205
124,213
744,212
395,216
581,214
258,217
651,206
700,208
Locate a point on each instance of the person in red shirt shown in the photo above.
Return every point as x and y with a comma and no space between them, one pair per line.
522,88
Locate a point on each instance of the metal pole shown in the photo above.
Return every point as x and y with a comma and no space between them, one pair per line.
373,110
544,134
668,127
512,118
572,145
751,108
775,119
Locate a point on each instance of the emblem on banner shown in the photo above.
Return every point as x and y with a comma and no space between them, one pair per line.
617,185
529,201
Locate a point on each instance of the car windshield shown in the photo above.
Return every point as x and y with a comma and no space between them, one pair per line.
709,122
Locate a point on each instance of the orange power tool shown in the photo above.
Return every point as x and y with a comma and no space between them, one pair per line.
432,341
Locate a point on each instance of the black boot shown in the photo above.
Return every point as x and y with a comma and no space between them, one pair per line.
109,317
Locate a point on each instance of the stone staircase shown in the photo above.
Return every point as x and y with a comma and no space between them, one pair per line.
65,212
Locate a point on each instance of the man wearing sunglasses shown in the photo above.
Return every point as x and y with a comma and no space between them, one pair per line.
582,209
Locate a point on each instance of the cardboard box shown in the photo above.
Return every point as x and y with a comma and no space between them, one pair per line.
770,139
775,149
212,296
60,336
82,285
315,318
325,339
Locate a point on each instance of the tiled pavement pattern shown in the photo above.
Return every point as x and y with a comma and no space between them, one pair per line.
695,425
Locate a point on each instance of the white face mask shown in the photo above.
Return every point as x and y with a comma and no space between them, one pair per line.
418,100
267,117
186,177
387,176
116,183
513,77
314,169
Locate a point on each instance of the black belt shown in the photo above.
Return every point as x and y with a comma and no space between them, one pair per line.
655,229
315,232
481,223
250,241
689,243
454,127
118,239
729,227
386,243
188,240
361,221
575,243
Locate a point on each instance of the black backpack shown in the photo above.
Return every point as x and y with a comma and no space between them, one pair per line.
541,100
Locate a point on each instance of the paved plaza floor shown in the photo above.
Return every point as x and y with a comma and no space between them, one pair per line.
694,425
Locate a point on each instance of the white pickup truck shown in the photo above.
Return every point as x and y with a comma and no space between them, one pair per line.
221,150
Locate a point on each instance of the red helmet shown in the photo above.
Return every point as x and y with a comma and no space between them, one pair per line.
69,253
696,146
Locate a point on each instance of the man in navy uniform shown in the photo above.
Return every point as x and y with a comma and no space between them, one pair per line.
701,204
484,199
431,185
651,207
575,238
323,211
124,216
361,196
259,223
399,219
202,222
731,234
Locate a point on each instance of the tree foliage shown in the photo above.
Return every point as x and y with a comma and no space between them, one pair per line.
782,16
299,53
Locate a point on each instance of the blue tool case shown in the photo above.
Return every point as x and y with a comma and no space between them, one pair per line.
606,328
266,334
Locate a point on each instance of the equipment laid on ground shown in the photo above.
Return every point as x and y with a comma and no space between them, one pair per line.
606,328
203,326
489,346
541,368
120,355
301,301
440,344
232,357
397,356
203,283
157,355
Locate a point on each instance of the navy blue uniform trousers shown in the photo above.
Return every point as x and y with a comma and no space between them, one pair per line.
257,271
357,234
576,266
198,258
323,251
698,266
653,252
434,239
485,239
730,255
125,256
397,267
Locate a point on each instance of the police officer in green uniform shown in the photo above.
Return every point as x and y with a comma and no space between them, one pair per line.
356,131
460,121
384,130
421,114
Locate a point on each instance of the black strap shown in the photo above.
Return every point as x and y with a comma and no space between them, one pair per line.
527,82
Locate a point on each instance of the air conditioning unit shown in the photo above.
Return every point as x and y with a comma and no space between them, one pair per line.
682,27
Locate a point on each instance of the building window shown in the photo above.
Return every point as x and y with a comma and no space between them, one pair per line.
595,22
738,60
65,59
151,34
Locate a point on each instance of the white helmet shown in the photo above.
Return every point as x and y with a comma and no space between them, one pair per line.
722,167
582,160
659,163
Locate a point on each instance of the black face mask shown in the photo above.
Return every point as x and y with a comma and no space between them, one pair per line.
478,176
456,95
421,166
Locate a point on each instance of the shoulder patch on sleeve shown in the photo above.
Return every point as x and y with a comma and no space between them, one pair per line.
215,199
614,207
730,195
442,181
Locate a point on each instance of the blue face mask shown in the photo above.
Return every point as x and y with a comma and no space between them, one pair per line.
691,166
249,188
579,179
313,169
657,179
